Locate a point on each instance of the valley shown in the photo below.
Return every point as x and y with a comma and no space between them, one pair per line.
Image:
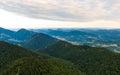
108,38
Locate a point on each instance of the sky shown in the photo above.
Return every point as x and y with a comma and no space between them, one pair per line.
60,13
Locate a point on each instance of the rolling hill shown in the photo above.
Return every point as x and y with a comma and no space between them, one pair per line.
39,41
9,53
91,60
37,66
16,60
23,34
108,38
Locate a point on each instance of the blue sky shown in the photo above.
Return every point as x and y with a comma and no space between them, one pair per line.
60,13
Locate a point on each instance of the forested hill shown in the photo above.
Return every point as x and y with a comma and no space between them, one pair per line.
39,41
92,60
9,53
15,60
37,66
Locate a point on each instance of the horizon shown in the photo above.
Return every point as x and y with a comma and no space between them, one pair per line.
17,29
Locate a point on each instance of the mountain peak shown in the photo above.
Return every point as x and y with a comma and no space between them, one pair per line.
24,34
21,30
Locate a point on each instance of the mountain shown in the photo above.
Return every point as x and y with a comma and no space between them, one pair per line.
15,37
91,60
5,34
65,33
108,38
23,34
15,60
39,41
107,34
6,31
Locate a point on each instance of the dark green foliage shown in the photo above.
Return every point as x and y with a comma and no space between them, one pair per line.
15,60
93,61
9,52
37,66
39,41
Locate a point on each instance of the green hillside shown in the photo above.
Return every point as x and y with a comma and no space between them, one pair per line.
9,52
37,66
93,61
39,41
15,60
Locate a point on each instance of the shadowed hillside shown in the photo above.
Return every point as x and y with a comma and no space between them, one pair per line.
39,41
92,60
15,60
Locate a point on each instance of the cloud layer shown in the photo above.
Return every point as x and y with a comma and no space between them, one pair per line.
65,10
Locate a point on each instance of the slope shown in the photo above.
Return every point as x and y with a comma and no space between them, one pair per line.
9,53
15,36
23,34
15,60
92,60
37,66
39,41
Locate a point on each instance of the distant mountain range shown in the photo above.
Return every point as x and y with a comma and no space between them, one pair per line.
26,38
95,38
108,38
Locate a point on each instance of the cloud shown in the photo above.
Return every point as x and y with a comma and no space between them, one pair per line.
65,10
